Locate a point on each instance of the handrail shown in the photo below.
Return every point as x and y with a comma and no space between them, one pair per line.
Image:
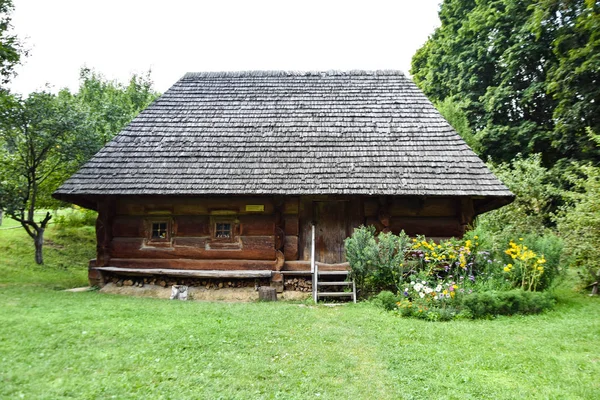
313,265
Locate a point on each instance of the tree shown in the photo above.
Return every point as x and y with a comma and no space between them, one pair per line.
45,138
11,49
40,135
111,105
488,55
574,81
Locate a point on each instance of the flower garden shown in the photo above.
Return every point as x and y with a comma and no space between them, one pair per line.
450,279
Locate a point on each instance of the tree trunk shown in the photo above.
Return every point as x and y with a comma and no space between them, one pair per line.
1,214
38,240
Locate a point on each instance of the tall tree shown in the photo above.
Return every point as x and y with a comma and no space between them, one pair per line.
574,80
45,138
487,57
110,104
40,137
11,48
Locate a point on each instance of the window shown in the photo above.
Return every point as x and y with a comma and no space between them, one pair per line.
224,233
223,230
159,230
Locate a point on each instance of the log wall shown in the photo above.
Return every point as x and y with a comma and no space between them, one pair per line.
266,229
125,224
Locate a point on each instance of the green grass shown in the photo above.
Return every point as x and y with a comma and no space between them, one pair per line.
56,344
66,255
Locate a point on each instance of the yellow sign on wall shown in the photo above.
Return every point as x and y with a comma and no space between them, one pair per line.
255,207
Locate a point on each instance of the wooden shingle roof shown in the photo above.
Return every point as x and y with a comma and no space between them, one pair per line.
288,133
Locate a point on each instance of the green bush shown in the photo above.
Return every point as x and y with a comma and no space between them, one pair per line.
376,262
76,217
490,304
386,300
579,224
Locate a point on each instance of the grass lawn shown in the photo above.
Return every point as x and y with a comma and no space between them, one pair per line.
56,344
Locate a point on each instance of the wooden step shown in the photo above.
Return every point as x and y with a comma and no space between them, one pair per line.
333,272
334,284
335,294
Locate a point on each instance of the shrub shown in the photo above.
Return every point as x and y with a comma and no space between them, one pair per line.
386,300
76,217
531,210
490,304
377,263
579,224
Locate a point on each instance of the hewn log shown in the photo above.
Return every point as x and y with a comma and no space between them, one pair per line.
428,226
304,266
186,225
106,214
256,225
290,249
291,205
466,214
135,205
127,226
291,225
187,273
187,264
257,247
423,207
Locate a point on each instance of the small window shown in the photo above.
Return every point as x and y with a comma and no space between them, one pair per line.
223,230
159,231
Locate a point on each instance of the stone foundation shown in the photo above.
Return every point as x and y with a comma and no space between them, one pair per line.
229,289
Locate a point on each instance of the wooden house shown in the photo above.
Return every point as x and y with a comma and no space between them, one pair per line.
226,174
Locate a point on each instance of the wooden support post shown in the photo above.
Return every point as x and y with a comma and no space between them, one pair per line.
467,213
277,281
106,213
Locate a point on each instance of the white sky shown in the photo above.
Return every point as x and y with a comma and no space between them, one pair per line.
121,37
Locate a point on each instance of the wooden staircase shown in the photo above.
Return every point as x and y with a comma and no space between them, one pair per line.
327,284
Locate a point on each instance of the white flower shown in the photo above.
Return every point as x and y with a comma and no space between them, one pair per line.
421,294
406,290
438,288
418,287
428,290
424,283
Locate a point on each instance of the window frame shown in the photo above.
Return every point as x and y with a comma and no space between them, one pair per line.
159,241
215,220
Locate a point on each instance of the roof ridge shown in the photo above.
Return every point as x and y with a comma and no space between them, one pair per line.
270,73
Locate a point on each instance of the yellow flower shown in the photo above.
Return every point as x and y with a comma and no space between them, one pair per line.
521,239
475,237
506,269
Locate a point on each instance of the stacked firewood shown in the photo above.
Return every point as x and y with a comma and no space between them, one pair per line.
300,284
207,284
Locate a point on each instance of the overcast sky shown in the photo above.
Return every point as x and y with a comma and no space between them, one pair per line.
121,37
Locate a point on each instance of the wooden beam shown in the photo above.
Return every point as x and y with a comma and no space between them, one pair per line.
187,273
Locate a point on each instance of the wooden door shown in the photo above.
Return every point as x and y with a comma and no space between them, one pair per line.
331,229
